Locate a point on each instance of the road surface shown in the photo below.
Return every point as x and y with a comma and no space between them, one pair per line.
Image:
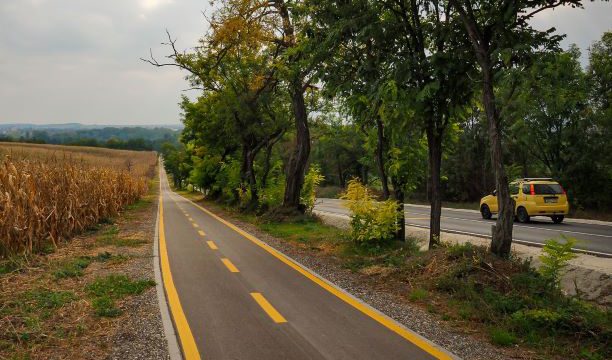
595,238
233,297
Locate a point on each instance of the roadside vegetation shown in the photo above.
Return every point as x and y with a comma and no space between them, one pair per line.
67,298
49,194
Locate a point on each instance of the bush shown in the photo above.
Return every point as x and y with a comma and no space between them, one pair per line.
372,222
311,181
555,257
501,337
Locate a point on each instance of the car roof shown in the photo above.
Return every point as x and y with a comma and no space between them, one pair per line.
535,181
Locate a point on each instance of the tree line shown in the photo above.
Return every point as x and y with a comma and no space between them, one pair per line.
444,98
124,138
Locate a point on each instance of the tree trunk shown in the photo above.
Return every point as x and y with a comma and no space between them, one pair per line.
380,158
297,164
434,142
502,236
266,169
398,194
250,172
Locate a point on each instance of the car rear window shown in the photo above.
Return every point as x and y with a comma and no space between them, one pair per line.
547,189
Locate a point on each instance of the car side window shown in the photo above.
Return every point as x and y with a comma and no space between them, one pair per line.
526,189
514,189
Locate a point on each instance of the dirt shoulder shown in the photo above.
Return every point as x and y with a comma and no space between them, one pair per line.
93,297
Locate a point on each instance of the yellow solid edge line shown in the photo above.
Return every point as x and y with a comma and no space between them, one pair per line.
229,265
202,233
190,349
212,245
381,319
268,308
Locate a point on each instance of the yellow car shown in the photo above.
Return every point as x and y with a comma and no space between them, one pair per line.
532,197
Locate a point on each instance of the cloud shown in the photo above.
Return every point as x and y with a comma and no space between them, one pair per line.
68,60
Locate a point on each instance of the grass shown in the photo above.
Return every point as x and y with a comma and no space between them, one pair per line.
418,294
110,237
104,291
501,337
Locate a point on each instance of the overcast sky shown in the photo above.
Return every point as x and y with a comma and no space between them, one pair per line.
78,60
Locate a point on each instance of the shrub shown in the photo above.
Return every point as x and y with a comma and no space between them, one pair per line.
501,337
372,222
309,191
555,257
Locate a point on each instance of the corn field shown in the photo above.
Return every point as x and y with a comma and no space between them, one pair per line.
50,193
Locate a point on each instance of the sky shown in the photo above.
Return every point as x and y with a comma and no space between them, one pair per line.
79,60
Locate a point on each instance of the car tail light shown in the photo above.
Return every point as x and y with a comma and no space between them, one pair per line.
531,190
562,189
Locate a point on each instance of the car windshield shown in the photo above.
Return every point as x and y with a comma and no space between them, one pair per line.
547,189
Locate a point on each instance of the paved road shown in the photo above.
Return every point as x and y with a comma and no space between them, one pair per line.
592,237
233,297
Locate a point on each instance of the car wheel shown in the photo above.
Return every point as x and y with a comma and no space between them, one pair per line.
485,212
557,219
521,215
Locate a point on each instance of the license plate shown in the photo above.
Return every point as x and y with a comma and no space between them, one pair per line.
550,200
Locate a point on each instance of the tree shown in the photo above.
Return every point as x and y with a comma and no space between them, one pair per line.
501,36
418,47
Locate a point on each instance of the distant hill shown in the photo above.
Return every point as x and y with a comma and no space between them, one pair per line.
123,137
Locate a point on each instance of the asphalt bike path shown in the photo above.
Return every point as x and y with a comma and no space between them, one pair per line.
233,297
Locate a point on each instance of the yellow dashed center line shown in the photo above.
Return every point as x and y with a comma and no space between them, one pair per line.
229,265
190,219
195,225
202,233
268,308
213,246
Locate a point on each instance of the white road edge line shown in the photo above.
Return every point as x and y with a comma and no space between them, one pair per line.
515,225
485,236
171,337
568,220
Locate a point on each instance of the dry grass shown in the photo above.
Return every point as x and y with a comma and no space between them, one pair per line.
50,193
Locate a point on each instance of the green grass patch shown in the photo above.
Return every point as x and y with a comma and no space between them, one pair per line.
105,290
306,232
501,337
110,237
72,268
46,299
418,294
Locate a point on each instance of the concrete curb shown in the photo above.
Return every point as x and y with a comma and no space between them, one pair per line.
171,337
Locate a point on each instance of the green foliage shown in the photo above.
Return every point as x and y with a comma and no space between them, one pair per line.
555,257
309,190
373,223
72,268
502,337
418,294
105,290
49,299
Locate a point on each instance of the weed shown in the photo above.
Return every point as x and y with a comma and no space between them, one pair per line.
110,237
72,268
418,294
48,299
105,290
105,307
502,337
555,257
